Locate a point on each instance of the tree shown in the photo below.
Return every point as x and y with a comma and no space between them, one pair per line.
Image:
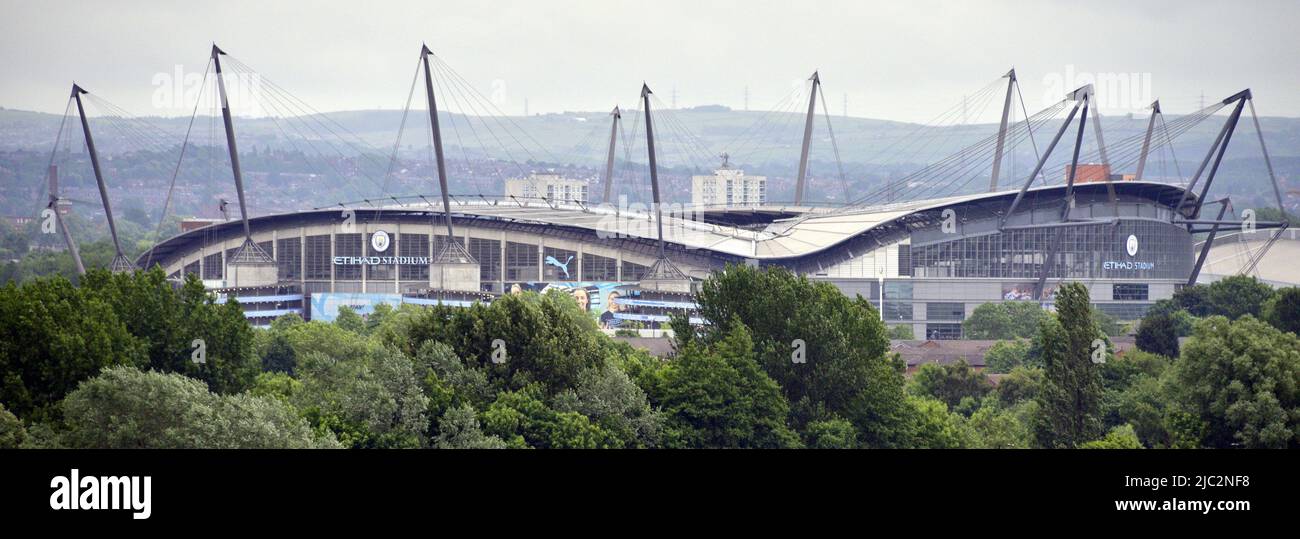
1181,318
53,335
1283,310
1071,395
123,407
1121,437
1006,355
833,433
373,400
1232,296
543,338
460,430
1021,384
1006,320
1194,299
716,396
169,322
607,395
1242,380
950,383
349,320
1238,295
901,332
523,419
279,355
846,366
999,426
1158,334
1106,324
934,427
12,431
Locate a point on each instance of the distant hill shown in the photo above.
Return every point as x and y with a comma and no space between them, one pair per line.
310,161
751,137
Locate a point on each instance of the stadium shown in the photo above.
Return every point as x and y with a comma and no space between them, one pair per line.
926,262
918,267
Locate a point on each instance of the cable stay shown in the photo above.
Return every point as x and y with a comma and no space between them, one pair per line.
120,263
250,261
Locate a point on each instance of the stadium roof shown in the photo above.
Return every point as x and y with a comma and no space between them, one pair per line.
810,233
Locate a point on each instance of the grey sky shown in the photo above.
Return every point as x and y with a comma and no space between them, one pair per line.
899,60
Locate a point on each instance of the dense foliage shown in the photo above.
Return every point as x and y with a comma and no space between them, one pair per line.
784,362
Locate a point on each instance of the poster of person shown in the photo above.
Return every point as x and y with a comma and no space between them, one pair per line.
598,298
1025,291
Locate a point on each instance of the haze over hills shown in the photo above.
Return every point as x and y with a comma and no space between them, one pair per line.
312,161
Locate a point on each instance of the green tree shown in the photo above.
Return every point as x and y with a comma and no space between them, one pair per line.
901,332
1283,310
460,430
1070,398
125,408
1194,299
53,335
1106,323
1006,355
934,427
1121,437
999,426
168,322
847,367
1182,319
1241,378
718,397
373,400
1158,334
12,431
950,383
1006,320
607,395
835,433
349,320
545,338
1021,384
279,355
523,419
1233,297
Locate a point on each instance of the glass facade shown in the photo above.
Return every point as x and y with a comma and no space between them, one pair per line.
1086,251
633,271
945,311
599,268
212,266
1130,292
1124,312
488,254
416,245
942,332
347,245
288,255
319,260
521,261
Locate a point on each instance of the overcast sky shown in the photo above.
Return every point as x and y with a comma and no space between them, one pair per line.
899,60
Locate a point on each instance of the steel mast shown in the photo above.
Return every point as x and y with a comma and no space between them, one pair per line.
120,262
609,158
249,253
807,138
1002,131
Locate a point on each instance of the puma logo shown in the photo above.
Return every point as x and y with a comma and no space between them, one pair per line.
550,260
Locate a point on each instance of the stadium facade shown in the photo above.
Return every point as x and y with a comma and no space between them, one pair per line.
927,264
